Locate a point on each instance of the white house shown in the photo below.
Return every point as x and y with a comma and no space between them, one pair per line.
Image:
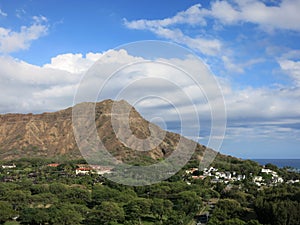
268,171
278,180
94,169
8,166
100,170
292,181
241,177
257,179
83,170
228,175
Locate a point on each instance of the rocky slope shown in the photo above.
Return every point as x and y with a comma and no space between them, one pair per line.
52,135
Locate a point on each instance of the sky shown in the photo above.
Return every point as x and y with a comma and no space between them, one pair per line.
251,47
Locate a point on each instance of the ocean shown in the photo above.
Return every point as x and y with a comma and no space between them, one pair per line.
295,163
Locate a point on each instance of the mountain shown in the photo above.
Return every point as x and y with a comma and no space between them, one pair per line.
52,135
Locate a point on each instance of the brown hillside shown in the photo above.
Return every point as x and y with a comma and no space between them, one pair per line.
51,135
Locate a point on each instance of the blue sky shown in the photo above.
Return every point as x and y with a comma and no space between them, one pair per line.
251,46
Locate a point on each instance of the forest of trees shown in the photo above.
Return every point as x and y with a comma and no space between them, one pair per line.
34,193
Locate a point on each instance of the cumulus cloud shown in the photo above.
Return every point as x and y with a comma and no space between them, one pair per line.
257,107
12,41
30,88
73,63
21,86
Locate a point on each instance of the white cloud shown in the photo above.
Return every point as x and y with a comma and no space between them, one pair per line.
281,16
203,45
206,46
292,68
263,113
229,65
20,71
223,11
263,103
12,41
73,63
249,106
21,86
239,67
289,63
192,16
77,63
2,13
29,88
164,28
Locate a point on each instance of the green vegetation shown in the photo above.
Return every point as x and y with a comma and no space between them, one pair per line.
35,193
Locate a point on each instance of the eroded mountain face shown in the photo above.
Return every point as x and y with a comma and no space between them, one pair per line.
52,134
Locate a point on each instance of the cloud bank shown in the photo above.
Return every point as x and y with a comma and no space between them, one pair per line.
29,88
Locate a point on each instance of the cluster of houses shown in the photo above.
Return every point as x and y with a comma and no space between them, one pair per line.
79,170
227,177
94,169
216,175
274,178
84,169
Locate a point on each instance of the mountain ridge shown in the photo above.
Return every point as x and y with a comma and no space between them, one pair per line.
51,134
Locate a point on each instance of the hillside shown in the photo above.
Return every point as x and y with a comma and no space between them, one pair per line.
51,135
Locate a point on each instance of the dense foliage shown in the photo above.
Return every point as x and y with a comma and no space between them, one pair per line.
34,193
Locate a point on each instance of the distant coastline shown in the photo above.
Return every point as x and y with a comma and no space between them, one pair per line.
295,163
